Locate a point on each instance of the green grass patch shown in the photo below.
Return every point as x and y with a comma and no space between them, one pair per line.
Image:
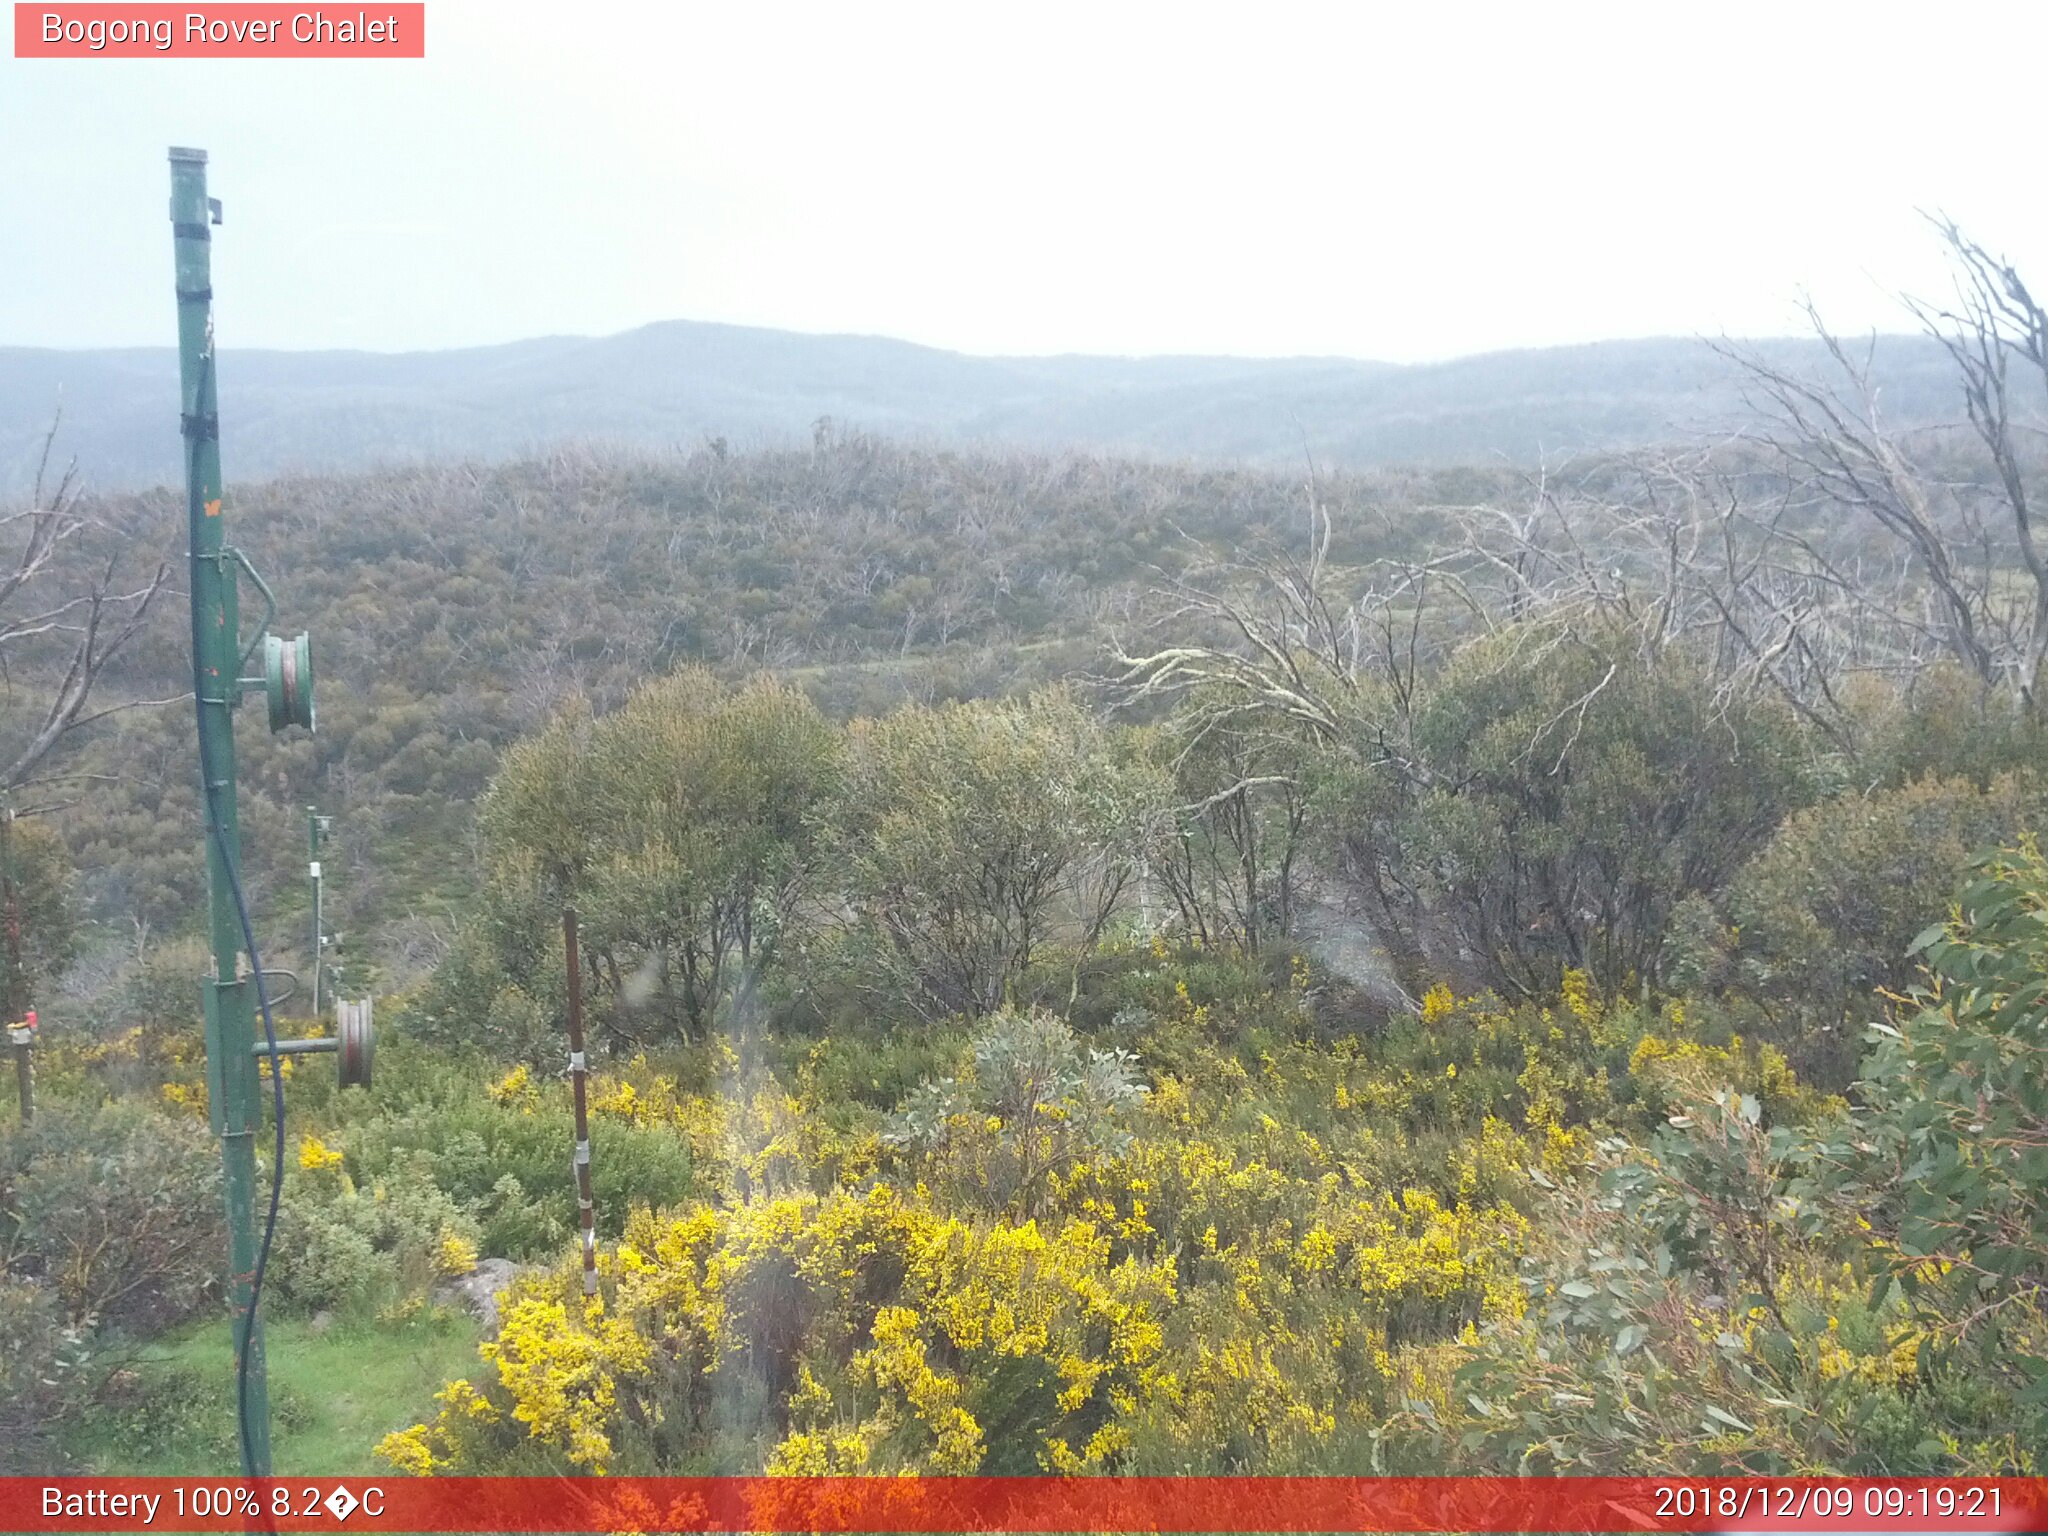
334,1393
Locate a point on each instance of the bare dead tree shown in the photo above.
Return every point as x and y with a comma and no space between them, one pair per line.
1664,550
1274,634
1831,435
1959,543
86,625
1995,319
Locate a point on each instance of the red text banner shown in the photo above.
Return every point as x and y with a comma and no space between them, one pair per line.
1025,1504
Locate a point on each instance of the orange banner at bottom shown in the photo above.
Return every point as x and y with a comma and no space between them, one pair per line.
1024,1504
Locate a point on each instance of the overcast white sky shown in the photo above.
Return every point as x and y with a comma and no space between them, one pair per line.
1407,182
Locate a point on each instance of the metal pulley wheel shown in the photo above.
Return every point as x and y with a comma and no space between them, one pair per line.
288,680
357,1043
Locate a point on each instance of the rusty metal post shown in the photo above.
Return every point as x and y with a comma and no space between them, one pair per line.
24,1038
579,1073
20,1018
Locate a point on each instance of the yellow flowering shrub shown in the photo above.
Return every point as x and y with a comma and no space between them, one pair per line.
1247,1281
891,1329
190,1097
455,1257
515,1088
1667,1069
1279,1249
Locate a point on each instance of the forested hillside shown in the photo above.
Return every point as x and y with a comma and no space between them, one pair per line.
456,609
1101,966
677,385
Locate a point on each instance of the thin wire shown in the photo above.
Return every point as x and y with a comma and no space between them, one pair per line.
213,825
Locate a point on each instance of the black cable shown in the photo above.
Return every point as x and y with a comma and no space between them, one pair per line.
213,826
277,1119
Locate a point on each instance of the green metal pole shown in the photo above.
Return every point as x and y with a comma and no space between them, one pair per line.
231,1072
319,939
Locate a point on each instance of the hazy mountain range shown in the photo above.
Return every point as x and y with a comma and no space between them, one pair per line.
681,382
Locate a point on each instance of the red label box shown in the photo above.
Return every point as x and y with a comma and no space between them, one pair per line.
377,30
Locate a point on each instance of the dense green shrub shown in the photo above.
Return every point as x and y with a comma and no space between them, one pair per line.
505,1167
1692,1315
479,996
1030,1105
972,836
1951,1156
116,1210
39,867
681,826
344,1244
1229,848
1553,809
1862,1294
1942,724
43,1374
1822,918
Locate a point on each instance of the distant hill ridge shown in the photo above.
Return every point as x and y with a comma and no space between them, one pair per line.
680,382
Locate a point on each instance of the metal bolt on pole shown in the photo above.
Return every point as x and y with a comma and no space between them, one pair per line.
586,1205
